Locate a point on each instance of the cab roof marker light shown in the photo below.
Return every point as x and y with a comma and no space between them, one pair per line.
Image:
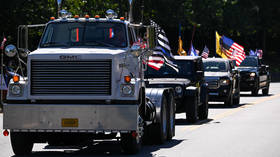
52,18
122,18
96,16
76,17
87,16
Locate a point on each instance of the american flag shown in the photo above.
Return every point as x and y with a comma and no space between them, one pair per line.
205,52
232,50
3,43
162,53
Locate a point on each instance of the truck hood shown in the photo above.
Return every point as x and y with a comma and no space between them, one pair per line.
165,81
215,74
77,53
248,69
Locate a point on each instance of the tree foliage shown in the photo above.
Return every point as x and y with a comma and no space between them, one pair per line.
251,23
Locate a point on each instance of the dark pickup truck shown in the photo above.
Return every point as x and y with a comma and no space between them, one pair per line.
254,75
187,80
223,80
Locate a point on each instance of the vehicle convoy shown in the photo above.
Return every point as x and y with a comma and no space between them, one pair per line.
223,80
85,82
254,75
187,80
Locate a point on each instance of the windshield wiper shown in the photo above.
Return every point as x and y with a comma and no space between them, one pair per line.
101,43
55,44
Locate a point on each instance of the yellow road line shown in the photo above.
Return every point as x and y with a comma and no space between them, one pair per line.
232,111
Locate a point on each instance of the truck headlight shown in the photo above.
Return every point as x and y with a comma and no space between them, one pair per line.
225,82
252,74
127,90
178,89
15,89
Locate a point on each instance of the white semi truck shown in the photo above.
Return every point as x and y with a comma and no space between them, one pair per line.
85,81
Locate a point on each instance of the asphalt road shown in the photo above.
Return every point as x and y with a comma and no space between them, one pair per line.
251,129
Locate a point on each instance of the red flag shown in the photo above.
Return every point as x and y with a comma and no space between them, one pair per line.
3,43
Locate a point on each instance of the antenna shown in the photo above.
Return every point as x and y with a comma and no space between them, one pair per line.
142,11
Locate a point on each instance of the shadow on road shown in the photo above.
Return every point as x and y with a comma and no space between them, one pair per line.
223,106
250,95
101,149
185,122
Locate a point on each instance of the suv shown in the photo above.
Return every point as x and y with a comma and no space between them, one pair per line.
223,80
254,75
191,91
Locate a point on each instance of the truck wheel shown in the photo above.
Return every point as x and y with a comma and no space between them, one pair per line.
255,92
192,109
229,101
22,143
203,109
171,118
266,90
130,143
236,99
160,129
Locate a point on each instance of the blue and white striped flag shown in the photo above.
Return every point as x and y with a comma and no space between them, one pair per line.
163,49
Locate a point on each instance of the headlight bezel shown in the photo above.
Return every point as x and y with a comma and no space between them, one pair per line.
125,87
252,74
224,81
12,89
178,89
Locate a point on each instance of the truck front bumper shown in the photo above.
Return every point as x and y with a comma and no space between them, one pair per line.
219,94
70,117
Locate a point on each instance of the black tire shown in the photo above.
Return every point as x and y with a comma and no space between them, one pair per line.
161,127
236,99
255,91
229,101
192,109
130,144
22,143
203,109
266,90
171,118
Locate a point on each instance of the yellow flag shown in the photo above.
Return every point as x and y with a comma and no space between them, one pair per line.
218,46
181,51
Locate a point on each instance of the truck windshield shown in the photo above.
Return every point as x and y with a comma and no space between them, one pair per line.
183,69
249,62
214,66
84,34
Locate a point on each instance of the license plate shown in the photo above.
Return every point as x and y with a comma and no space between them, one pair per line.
215,94
69,122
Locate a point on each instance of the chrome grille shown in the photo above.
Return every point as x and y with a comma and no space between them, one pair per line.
71,77
213,84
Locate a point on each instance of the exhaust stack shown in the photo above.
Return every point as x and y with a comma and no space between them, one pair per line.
130,18
59,2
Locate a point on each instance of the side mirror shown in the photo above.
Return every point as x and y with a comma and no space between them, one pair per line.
11,50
